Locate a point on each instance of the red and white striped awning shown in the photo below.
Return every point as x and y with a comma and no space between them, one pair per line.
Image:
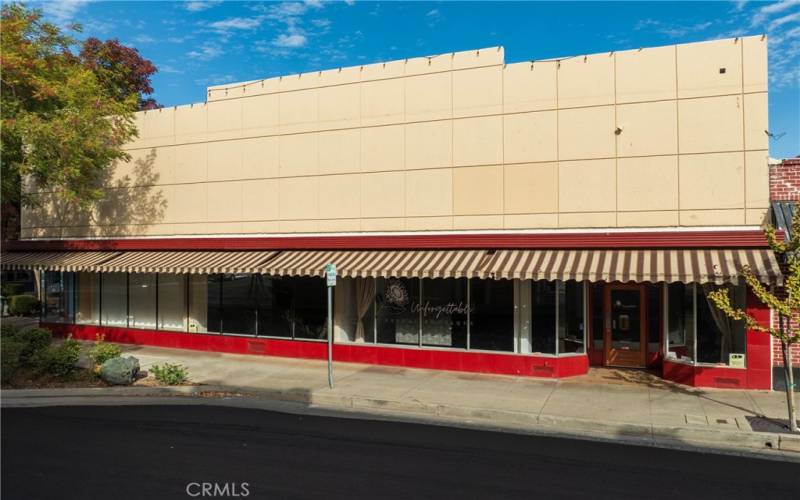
687,266
684,265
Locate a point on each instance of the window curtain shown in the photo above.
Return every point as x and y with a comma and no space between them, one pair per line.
723,322
365,294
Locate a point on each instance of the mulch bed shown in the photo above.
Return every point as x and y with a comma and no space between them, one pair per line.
29,379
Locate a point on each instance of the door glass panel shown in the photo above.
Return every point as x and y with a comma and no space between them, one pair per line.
625,320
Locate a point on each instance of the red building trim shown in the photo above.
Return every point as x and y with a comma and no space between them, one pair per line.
645,239
465,361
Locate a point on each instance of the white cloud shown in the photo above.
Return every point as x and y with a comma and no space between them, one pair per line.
669,29
350,2
200,6
143,39
292,41
783,20
64,11
321,23
166,68
315,4
763,13
206,52
236,23
433,13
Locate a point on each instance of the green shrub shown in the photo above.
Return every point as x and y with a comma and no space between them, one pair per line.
102,351
10,350
34,340
8,330
60,360
170,374
23,305
11,288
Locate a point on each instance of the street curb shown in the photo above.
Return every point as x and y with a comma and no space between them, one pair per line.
670,436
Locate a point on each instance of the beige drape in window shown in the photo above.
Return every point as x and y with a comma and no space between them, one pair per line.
365,294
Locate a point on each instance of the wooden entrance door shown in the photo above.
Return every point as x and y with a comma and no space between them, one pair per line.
625,326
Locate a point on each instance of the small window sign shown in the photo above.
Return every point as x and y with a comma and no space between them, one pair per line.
330,274
736,360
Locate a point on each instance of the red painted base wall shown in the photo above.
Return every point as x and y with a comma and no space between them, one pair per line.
477,362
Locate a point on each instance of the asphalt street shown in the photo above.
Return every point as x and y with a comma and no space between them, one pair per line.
157,452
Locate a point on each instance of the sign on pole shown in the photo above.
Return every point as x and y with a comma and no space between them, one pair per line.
330,278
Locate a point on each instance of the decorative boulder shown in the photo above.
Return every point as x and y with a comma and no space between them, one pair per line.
120,371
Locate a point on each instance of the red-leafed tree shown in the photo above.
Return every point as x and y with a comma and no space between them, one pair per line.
120,69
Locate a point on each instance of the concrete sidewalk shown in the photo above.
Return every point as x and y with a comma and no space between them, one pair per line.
605,404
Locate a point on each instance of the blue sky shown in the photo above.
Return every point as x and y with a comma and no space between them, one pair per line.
199,43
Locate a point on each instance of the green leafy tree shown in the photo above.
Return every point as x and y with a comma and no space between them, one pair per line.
65,115
787,307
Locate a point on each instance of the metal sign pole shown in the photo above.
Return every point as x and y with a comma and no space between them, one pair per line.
330,278
330,336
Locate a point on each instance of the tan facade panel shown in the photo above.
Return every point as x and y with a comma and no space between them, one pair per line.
225,119
478,190
191,163
712,217
339,151
382,102
383,148
530,87
530,137
478,222
710,68
339,225
298,111
185,203
645,74
478,91
224,160
260,158
428,64
383,195
380,71
712,181
298,154
586,133
429,145
190,123
428,97
340,196
754,63
587,186
528,221
429,223
159,126
531,188
260,200
478,141
339,106
756,121
648,219
710,125
756,216
647,129
384,224
429,192
491,56
260,115
299,198
225,201
587,219
756,164
648,183
586,81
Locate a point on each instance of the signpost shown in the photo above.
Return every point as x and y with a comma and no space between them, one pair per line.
330,277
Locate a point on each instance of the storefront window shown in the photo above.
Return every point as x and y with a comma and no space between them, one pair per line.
172,302
214,303
570,317
720,339
491,315
310,308
274,306
443,310
680,321
543,338
239,303
88,297
142,306
653,318
598,334
198,303
114,300
59,305
398,319
354,312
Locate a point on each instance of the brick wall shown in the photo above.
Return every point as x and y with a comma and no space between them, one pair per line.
784,180
777,356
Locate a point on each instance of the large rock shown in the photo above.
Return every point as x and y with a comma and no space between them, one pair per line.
120,371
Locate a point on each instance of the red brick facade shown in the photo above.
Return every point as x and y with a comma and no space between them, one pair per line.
784,180
784,185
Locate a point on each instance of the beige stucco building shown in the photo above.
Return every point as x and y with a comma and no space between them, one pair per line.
530,218
665,136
